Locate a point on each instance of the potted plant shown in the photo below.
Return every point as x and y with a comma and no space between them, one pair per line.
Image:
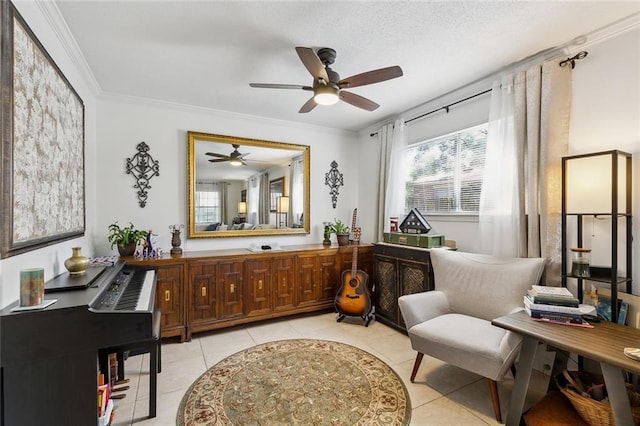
125,238
342,232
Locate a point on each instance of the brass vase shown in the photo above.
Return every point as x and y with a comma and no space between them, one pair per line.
77,263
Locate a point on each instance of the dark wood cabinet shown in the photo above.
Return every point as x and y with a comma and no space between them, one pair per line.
307,269
199,291
231,288
398,270
170,300
203,291
283,284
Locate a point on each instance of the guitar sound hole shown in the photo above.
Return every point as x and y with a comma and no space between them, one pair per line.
353,283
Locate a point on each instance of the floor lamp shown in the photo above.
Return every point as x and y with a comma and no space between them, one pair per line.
282,208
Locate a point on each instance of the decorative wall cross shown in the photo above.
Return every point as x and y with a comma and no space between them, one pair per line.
143,167
334,180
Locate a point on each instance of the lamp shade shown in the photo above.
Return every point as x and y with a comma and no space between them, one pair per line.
242,207
596,183
282,204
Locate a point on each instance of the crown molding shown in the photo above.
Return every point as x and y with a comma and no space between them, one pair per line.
52,14
230,115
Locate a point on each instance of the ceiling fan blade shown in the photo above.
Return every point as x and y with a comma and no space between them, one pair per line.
310,60
358,101
308,106
220,160
280,86
371,77
213,154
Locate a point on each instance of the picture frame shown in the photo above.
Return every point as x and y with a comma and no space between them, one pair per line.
42,155
276,189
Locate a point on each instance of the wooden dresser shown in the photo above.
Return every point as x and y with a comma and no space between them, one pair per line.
207,290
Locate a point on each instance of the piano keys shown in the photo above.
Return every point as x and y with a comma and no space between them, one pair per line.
48,358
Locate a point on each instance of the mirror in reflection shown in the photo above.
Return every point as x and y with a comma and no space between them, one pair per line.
246,187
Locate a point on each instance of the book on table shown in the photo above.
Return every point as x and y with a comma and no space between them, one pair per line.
559,296
560,317
550,307
543,290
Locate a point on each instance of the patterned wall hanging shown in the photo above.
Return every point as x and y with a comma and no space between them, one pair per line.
334,180
143,167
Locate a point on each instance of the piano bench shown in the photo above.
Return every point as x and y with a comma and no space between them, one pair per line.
153,347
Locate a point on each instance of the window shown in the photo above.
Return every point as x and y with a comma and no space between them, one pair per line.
445,173
207,205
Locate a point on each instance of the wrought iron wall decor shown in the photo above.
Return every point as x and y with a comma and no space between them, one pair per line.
143,167
334,180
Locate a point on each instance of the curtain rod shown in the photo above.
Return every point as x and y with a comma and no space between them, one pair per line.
572,60
446,108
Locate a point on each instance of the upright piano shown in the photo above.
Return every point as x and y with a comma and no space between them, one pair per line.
49,357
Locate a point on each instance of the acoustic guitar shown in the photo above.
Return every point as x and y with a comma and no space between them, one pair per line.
353,297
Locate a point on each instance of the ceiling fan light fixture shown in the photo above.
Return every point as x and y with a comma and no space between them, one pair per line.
326,95
235,162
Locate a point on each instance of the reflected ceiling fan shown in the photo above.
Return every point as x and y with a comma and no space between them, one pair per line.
235,158
327,87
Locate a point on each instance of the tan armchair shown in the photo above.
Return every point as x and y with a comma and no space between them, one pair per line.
453,322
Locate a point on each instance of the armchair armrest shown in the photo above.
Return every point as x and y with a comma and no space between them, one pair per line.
420,307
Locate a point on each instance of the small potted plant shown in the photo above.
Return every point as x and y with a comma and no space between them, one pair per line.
125,238
342,232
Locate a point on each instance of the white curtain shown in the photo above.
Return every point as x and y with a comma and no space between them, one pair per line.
264,201
296,194
392,176
521,194
253,195
223,193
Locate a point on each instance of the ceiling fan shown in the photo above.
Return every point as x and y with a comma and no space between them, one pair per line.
234,159
327,87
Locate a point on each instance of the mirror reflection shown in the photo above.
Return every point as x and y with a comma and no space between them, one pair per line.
246,187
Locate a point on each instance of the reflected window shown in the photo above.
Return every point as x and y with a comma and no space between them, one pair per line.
207,206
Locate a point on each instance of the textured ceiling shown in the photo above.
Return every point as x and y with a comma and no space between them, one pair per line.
205,53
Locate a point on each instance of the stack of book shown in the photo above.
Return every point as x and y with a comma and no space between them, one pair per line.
553,304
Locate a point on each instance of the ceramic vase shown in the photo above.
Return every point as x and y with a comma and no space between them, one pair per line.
77,263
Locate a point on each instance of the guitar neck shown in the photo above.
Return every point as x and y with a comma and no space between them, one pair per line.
354,258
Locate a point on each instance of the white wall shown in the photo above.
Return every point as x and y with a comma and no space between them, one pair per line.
605,115
52,258
125,122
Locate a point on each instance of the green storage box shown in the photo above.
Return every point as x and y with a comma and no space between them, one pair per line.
414,240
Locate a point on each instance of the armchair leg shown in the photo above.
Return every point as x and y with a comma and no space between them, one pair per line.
416,365
493,388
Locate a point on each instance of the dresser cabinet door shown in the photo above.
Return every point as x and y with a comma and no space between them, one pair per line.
385,296
307,277
169,297
328,276
230,279
258,274
203,292
283,283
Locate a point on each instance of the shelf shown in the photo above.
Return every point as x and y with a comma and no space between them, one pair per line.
619,280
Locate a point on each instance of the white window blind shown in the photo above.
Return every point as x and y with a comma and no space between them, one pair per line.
445,173
207,203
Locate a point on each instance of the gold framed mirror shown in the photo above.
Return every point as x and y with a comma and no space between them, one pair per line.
234,183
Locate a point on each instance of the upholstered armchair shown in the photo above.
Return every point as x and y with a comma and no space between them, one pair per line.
453,322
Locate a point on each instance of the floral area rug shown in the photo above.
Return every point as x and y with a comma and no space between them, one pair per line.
297,382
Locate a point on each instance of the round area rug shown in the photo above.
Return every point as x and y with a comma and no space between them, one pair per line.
297,382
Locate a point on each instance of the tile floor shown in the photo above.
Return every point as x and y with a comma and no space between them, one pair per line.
441,395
